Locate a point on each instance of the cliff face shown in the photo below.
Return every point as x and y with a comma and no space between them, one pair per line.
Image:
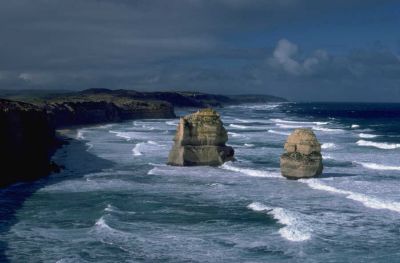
27,131
27,139
200,140
84,111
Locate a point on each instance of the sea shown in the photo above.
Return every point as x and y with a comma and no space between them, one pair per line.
118,201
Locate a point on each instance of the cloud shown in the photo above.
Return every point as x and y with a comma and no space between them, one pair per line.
286,54
228,46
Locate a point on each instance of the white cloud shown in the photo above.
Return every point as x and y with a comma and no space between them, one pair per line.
285,56
36,78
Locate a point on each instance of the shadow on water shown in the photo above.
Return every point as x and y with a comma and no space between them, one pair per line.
13,197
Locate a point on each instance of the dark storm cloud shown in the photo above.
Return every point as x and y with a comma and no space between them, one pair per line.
178,44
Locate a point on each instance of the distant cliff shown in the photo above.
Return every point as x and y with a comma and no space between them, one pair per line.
27,140
177,98
80,110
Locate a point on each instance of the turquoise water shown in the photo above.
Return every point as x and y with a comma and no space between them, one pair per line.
117,201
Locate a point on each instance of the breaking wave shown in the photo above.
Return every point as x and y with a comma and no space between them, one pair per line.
123,135
136,150
238,126
375,166
79,135
236,135
279,132
380,145
299,122
316,128
367,136
171,123
368,201
250,172
328,145
116,210
294,230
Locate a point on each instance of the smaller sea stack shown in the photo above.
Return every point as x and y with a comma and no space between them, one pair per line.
302,158
200,140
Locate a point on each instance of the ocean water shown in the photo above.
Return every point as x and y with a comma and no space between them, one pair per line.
117,201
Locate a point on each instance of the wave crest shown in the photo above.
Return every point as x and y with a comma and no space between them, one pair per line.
379,145
279,132
366,135
250,172
294,230
328,145
368,201
136,150
375,166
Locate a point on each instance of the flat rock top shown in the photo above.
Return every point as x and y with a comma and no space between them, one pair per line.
202,113
8,105
303,141
203,127
302,136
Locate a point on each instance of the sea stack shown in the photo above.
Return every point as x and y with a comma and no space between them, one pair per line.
200,140
302,158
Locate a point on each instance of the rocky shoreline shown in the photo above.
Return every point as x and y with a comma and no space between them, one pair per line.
29,121
28,136
27,140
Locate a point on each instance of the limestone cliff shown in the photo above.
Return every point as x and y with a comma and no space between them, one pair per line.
98,109
26,139
200,140
303,155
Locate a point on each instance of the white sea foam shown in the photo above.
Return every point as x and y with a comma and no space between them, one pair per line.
157,164
136,150
237,126
375,166
368,201
328,145
236,135
105,126
79,134
367,136
153,171
317,128
116,210
89,146
101,223
242,120
124,135
380,145
250,172
279,132
299,122
257,106
171,123
154,143
249,145
355,126
287,126
294,230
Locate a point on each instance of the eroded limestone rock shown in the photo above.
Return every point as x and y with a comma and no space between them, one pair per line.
200,140
303,157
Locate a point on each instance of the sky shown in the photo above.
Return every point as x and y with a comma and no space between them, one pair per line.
303,50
